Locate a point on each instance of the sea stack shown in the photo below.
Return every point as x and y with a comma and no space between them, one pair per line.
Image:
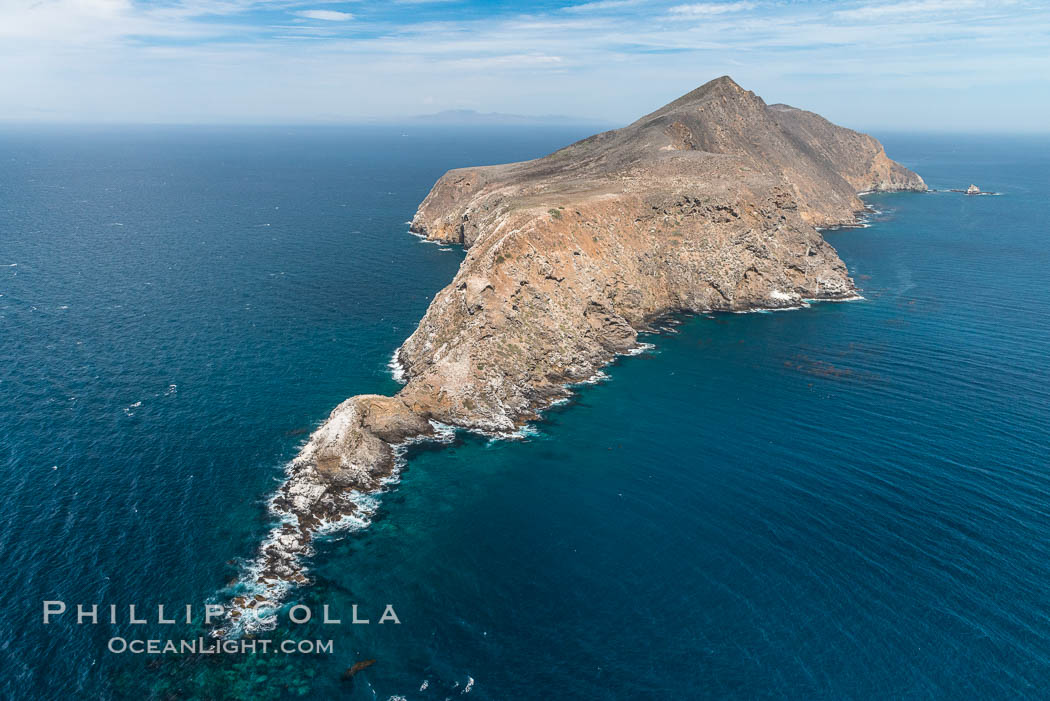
712,202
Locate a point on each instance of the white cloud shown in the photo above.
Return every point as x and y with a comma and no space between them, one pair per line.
711,8
508,61
325,15
910,7
601,5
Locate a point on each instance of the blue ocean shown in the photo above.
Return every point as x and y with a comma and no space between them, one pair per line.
848,501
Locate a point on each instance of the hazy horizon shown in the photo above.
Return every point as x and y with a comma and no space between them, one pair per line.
419,124
961,66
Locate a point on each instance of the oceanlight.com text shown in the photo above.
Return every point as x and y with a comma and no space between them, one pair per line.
209,646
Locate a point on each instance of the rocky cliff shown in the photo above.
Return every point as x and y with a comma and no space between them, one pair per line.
711,202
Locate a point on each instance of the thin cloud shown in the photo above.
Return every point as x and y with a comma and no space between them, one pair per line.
711,8
325,15
510,61
911,7
602,5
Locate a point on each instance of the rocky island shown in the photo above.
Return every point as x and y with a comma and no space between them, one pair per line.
712,202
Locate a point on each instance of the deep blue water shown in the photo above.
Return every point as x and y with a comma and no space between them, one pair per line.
846,501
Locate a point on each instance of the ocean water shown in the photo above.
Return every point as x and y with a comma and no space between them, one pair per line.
845,501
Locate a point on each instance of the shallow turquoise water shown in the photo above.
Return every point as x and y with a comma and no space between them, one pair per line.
846,501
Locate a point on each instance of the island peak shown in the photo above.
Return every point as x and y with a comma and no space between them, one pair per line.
723,86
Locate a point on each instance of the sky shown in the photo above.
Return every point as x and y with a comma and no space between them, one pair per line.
950,65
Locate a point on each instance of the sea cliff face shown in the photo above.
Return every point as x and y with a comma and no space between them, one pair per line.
712,202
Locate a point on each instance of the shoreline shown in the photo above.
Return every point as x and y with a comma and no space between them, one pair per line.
569,257
278,567
261,587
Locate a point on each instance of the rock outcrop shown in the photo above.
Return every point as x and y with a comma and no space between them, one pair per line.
712,202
